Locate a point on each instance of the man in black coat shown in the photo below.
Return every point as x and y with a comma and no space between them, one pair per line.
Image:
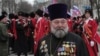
21,44
60,42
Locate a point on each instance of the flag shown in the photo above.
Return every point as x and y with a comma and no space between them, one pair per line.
75,11
54,1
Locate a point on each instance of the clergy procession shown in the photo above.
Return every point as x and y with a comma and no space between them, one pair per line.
52,33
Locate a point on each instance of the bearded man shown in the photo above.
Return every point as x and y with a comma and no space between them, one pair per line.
60,42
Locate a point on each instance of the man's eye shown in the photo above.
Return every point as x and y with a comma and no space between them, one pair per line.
56,22
63,22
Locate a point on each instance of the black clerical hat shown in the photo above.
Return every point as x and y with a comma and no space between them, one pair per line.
57,11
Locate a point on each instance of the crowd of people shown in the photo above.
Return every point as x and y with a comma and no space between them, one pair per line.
55,33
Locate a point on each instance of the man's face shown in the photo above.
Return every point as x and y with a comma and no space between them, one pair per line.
20,17
4,20
59,27
87,15
36,16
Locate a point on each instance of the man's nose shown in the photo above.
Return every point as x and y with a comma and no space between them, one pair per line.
60,24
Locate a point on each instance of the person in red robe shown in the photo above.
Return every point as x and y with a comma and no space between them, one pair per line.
46,16
91,37
40,28
30,19
33,19
78,25
21,45
11,23
70,22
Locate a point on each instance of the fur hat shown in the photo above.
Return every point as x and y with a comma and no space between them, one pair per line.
2,17
89,11
20,13
32,14
4,13
39,12
11,16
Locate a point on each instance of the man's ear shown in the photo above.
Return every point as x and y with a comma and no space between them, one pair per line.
50,22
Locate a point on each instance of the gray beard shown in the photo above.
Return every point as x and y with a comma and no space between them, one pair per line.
59,33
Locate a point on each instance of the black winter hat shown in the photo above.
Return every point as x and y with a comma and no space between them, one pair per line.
39,12
58,10
11,16
89,11
2,17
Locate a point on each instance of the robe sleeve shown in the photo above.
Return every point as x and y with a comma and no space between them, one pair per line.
38,53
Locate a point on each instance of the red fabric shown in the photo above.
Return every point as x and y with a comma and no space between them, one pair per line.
97,38
40,31
88,30
93,27
14,28
33,21
28,32
21,21
90,50
27,29
70,24
91,30
47,26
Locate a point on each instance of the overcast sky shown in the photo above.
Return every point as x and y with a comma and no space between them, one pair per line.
30,1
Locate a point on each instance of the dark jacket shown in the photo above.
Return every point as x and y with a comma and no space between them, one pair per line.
70,45
3,32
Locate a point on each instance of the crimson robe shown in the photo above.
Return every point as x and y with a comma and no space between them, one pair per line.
70,24
33,21
14,28
90,34
41,29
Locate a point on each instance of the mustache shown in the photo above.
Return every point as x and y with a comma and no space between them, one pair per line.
59,29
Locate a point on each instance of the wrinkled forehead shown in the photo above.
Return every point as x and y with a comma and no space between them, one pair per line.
59,19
